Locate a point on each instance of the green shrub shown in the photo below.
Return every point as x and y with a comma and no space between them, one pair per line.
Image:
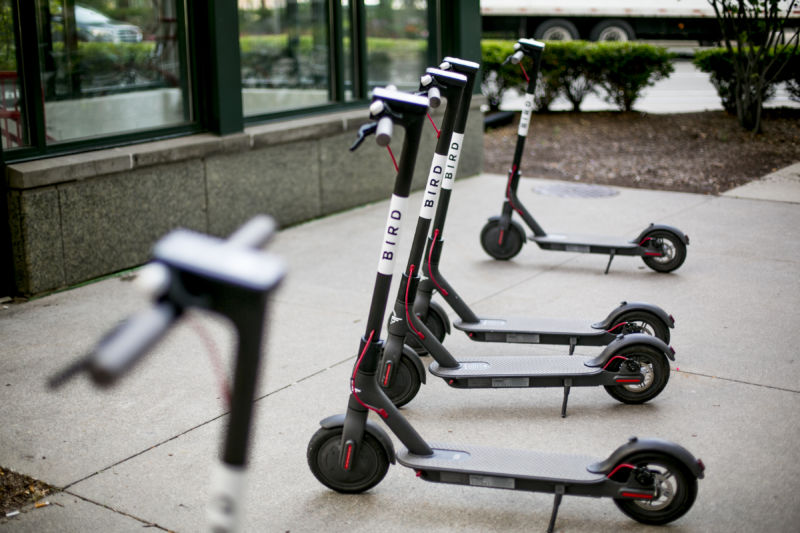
497,77
624,69
575,69
718,62
572,69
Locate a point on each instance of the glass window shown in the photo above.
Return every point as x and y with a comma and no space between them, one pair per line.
111,66
284,54
397,42
12,124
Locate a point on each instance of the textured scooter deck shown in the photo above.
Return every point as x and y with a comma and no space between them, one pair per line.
530,326
501,366
581,243
497,467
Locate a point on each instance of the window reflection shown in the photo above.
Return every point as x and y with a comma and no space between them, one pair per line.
397,42
110,66
284,54
12,125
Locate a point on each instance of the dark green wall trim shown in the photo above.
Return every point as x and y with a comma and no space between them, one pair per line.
217,65
358,48
460,25
336,56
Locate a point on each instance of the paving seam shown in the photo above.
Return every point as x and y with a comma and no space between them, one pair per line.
734,380
146,523
198,426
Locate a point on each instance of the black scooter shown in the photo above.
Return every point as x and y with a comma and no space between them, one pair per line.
633,368
231,278
662,248
652,481
628,317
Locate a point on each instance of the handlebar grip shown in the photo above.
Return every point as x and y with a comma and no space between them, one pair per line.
434,97
126,344
255,233
517,56
383,133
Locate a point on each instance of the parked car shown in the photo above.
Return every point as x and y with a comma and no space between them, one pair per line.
94,26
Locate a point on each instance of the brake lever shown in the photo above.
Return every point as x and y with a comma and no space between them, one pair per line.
363,132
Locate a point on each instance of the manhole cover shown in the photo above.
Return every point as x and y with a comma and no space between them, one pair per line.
575,190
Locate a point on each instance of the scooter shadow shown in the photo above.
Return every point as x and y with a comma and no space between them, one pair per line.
515,409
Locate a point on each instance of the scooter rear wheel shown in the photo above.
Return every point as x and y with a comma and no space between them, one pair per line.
502,245
671,248
655,368
643,322
369,466
676,490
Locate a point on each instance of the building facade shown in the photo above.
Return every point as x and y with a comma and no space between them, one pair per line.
122,119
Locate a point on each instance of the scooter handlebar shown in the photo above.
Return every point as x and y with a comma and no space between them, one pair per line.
129,342
124,345
516,57
435,97
256,233
383,132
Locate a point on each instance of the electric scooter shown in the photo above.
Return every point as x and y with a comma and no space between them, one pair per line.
652,481
228,277
628,317
633,368
662,248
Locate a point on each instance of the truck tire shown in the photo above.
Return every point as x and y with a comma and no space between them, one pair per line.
556,30
612,30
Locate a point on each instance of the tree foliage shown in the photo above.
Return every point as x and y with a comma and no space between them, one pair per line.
753,34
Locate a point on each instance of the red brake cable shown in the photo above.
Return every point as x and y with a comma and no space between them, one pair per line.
354,390
441,289
396,168
527,78
408,315
437,130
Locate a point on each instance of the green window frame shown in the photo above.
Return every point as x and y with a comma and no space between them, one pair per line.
209,29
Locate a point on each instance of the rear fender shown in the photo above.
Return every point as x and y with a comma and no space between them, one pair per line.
636,445
613,317
653,227
624,342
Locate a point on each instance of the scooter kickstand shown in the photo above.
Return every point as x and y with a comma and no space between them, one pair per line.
556,503
610,258
572,342
567,385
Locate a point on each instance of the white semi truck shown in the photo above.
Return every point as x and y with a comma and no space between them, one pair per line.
606,20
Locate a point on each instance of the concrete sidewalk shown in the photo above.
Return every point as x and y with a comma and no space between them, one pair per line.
140,454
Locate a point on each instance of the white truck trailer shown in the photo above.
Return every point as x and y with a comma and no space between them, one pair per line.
606,20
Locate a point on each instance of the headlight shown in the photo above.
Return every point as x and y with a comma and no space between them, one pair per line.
101,34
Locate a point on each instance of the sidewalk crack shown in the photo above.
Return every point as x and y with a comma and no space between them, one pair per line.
146,523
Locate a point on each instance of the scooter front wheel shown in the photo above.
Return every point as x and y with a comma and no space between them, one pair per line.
643,322
436,322
676,489
405,382
368,469
664,251
654,367
502,244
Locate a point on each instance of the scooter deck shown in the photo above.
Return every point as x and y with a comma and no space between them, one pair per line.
527,330
515,371
500,468
584,243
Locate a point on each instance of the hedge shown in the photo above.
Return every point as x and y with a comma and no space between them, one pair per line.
621,70
718,62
